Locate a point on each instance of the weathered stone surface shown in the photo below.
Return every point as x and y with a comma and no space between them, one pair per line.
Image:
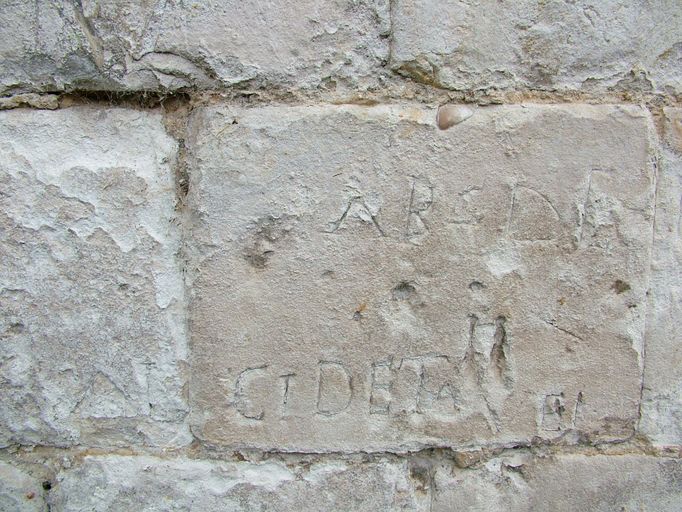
149,484
44,101
517,482
363,280
591,46
19,492
308,282
133,45
564,483
92,325
662,394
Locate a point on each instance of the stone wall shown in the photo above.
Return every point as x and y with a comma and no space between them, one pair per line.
340,255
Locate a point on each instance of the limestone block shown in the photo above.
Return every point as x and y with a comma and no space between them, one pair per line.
552,45
662,394
563,483
92,308
362,280
513,483
19,492
133,45
151,484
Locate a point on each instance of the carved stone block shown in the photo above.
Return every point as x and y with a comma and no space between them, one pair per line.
363,280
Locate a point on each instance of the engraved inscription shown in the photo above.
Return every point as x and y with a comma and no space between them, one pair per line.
243,394
597,219
103,398
432,383
360,209
421,199
553,410
532,216
380,391
424,384
557,414
335,388
287,380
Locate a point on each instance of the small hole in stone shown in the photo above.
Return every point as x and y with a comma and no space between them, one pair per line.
620,286
16,328
403,291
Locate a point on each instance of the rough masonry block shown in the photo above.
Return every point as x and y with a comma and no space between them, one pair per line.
662,394
513,483
132,45
151,484
362,280
563,483
93,326
584,45
19,491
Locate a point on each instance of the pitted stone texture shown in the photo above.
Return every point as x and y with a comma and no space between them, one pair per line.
365,281
517,482
93,324
662,394
20,492
133,45
151,484
563,483
553,45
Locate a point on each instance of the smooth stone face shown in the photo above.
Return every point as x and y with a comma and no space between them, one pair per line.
527,44
19,491
132,45
365,281
450,115
662,393
91,296
563,483
150,484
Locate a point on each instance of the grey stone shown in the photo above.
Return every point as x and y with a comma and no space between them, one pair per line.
149,484
362,280
553,45
518,482
19,491
93,320
132,45
662,394
562,483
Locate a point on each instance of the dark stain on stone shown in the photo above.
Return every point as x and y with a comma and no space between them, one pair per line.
268,232
421,476
620,286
